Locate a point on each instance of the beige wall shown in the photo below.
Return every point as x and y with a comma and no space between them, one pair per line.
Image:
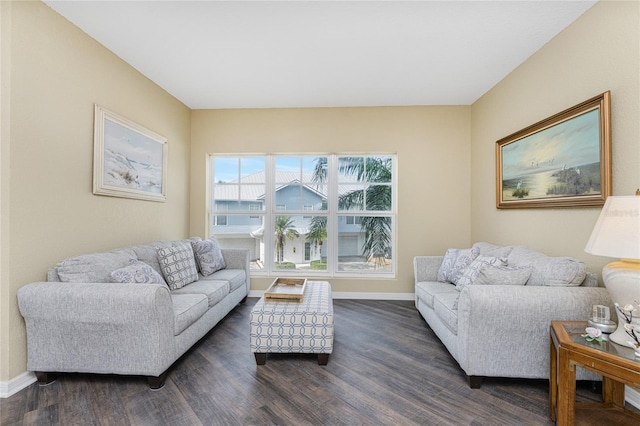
598,52
432,145
52,74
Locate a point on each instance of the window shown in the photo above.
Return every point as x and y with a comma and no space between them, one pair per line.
317,215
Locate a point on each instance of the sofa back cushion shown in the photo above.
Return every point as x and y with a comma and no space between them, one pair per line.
547,270
93,267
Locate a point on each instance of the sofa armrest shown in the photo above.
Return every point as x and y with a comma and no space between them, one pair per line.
238,259
499,326
425,268
98,327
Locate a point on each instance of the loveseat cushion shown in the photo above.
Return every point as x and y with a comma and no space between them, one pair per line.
178,265
547,270
136,272
236,277
187,309
215,290
427,290
208,256
94,267
445,306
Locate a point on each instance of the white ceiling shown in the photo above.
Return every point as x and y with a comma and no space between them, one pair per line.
263,54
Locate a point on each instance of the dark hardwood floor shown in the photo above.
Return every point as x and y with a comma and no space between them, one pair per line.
387,368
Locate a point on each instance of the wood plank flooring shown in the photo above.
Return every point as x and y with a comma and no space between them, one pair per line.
387,368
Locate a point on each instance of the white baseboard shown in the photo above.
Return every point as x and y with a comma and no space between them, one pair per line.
356,295
16,384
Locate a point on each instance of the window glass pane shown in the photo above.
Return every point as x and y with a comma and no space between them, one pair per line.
226,169
350,197
242,231
379,169
365,247
252,170
299,243
378,197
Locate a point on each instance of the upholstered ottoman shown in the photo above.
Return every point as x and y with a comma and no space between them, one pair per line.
294,327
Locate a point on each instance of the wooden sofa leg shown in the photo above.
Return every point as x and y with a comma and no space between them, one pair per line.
45,378
323,359
156,383
475,381
261,358
244,299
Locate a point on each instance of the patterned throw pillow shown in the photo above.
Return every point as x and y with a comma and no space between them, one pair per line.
208,256
178,265
503,275
464,259
137,272
447,264
470,274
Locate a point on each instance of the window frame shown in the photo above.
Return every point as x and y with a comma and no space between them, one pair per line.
331,212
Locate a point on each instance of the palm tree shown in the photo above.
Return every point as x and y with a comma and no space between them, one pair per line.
373,170
317,231
285,230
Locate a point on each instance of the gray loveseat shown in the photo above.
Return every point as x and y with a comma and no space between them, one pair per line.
495,320
82,321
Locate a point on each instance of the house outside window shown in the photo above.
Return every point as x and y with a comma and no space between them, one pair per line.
311,215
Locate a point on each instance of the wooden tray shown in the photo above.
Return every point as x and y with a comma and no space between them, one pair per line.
286,290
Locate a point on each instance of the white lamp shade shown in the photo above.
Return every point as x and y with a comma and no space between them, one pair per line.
617,231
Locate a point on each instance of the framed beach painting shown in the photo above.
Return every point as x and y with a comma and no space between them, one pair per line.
129,160
562,161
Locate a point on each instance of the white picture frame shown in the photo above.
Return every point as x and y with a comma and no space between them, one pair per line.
129,160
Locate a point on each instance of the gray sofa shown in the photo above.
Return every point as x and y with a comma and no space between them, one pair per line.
80,321
497,323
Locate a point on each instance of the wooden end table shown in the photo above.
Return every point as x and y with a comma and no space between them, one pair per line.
617,365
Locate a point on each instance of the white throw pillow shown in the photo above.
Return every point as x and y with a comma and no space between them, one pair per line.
447,264
464,259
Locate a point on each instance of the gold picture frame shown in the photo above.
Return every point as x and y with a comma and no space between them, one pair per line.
561,161
129,160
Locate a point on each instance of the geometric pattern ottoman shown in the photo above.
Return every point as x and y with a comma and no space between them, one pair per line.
294,327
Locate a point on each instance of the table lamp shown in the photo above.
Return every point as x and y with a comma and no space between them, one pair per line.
617,234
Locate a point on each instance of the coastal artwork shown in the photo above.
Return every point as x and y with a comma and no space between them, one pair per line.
562,161
557,162
129,160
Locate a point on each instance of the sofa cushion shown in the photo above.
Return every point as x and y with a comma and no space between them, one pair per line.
208,256
489,249
547,270
427,290
148,253
94,267
136,272
187,309
215,290
178,265
236,277
481,262
445,306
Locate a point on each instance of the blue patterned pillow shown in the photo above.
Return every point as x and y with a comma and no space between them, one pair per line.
137,272
208,256
178,265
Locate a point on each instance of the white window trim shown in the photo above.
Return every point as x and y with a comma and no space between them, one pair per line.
332,214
